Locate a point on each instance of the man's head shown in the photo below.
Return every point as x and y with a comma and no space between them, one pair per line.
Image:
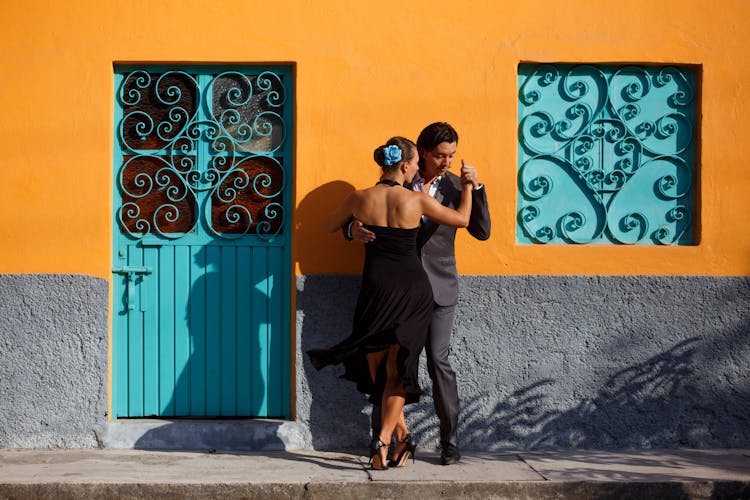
436,145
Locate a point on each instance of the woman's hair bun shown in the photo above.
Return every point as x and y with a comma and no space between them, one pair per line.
393,152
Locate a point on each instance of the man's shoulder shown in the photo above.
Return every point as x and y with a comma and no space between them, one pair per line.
450,185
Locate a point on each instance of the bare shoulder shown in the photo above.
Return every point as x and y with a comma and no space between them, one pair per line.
361,194
408,195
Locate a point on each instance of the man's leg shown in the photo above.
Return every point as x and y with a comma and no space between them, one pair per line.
444,387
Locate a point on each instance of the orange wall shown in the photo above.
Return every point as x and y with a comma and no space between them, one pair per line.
365,71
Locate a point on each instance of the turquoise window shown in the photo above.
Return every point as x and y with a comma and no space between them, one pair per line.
606,154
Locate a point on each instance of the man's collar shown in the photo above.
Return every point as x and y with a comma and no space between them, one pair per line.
419,179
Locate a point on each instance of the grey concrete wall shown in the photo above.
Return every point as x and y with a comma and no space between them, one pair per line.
548,362
53,360
542,362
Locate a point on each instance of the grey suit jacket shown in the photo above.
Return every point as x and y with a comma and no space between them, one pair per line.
436,242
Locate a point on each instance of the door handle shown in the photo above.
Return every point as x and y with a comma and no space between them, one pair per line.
130,273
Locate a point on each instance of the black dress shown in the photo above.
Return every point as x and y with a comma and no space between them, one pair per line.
394,306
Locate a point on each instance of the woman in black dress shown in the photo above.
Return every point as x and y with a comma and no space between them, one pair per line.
395,302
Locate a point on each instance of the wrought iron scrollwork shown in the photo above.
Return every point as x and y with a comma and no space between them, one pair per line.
606,154
202,150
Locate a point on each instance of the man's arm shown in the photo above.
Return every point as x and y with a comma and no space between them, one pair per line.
346,229
479,221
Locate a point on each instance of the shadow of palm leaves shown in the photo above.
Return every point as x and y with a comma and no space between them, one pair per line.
675,376
630,407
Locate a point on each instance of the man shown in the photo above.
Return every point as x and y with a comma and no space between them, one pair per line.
437,145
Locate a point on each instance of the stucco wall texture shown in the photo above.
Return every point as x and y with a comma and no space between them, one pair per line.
559,362
542,362
636,346
364,71
53,361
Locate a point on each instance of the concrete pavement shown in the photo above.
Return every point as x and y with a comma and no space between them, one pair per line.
109,473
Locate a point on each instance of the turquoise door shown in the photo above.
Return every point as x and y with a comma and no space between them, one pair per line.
201,244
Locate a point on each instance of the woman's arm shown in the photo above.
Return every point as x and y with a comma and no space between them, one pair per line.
444,215
341,215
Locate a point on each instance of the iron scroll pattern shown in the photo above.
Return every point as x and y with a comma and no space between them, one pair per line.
201,150
606,154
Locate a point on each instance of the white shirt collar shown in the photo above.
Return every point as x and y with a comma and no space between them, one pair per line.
419,181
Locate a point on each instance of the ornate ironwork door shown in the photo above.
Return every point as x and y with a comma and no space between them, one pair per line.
201,260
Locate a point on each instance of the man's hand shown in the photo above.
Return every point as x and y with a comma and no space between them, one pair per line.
469,175
359,233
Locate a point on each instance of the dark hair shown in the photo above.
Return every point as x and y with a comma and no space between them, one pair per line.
435,133
405,145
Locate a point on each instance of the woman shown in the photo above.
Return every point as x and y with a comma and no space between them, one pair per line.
395,302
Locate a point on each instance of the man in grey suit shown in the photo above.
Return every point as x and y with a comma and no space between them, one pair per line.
437,145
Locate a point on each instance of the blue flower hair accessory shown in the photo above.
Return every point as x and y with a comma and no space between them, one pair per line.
392,155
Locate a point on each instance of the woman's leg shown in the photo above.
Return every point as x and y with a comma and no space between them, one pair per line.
401,430
394,397
374,361
402,433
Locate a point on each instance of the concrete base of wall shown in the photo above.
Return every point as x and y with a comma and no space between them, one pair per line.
558,362
188,434
53,361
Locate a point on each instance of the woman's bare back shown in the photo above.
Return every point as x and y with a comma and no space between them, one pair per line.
391,206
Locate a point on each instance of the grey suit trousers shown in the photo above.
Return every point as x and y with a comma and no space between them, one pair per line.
444,386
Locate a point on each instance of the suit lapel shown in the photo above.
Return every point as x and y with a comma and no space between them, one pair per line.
428,227
440,193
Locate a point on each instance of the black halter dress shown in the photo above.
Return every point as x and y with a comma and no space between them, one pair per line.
394,307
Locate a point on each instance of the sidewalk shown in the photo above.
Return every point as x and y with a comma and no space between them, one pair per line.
578,474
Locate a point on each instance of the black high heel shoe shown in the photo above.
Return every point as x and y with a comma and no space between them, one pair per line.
408,451
376,460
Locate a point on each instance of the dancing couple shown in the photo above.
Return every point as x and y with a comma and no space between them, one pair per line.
394,315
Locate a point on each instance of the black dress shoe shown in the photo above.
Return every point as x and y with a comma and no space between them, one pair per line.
450,454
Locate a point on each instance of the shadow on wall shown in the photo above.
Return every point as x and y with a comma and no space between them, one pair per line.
653,404
208,355
666,367
695,394
221,376
208,435
316,250
337,415
596,370
333,409
640,405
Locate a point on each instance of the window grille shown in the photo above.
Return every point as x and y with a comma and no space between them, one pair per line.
203,151
606,154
